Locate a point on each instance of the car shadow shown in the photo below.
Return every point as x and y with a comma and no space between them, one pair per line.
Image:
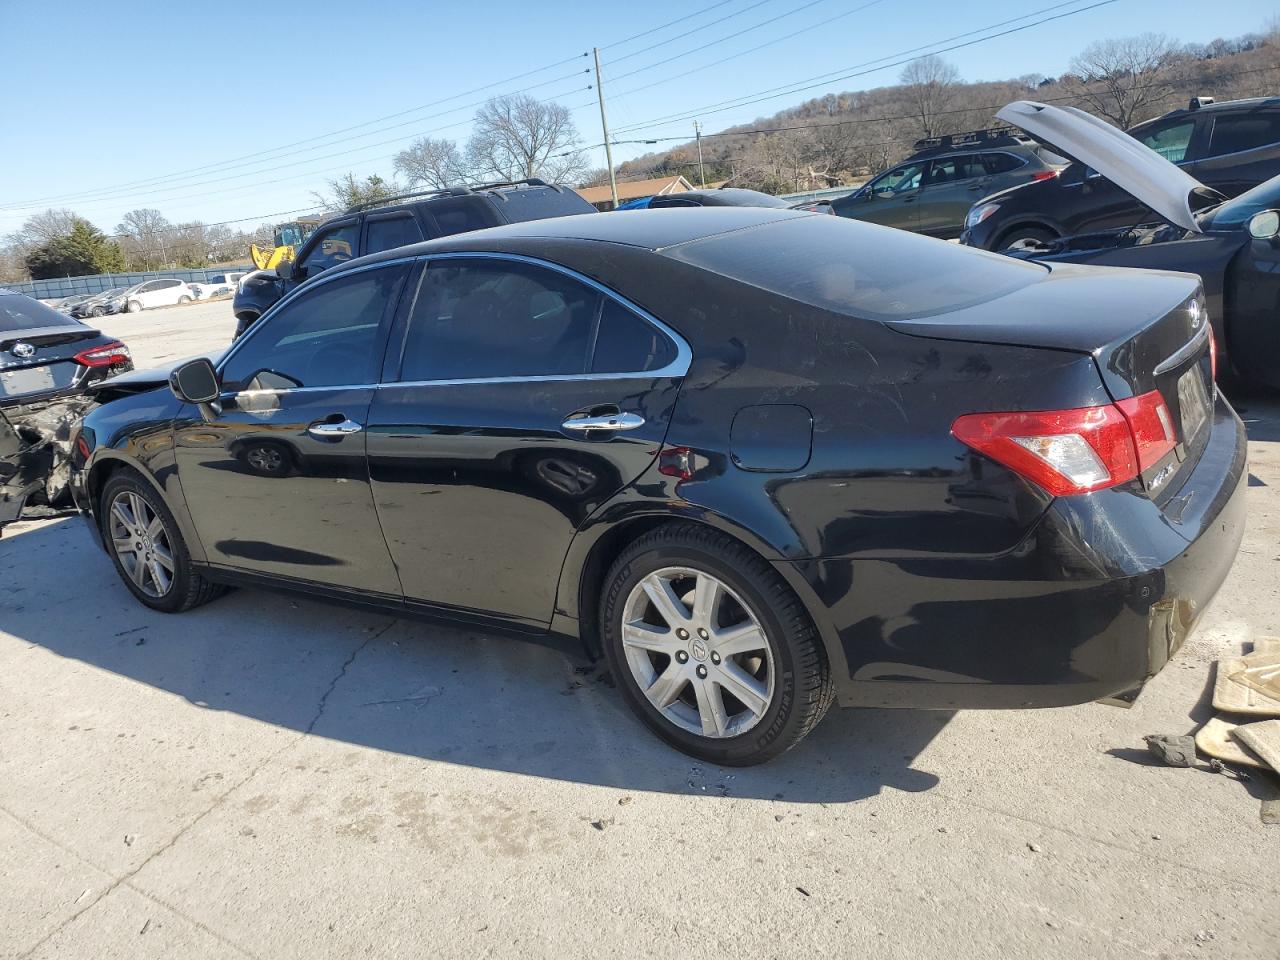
416,689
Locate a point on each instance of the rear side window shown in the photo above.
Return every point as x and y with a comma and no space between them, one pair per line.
1233,134
23,313
462,217
386,233
860,269
627,343
1000,162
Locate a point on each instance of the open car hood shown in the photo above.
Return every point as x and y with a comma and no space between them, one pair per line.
1138,170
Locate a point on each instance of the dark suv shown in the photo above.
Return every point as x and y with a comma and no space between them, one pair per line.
932,190
1231,147
409,218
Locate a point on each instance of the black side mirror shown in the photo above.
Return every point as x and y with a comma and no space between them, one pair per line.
284,270
197,382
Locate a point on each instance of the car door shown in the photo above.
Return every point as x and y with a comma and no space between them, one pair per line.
951,186
890,199
169,292
1243,150
277,482
331,245
482,450
147,294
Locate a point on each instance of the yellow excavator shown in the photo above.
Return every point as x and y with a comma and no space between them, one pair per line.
287,238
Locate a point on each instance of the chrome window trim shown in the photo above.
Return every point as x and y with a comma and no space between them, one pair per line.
678,367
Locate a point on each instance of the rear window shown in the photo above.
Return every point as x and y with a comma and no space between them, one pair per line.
23,313
860,269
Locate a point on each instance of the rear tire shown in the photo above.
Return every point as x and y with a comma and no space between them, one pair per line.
148,551
1018,234
682,672
182,300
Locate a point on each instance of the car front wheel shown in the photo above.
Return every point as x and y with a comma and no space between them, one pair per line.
711,648
147,549
1018,236
134,307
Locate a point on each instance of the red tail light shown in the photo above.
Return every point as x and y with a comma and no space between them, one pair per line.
1044,175
1152,427
106,355
1064,451
1213,356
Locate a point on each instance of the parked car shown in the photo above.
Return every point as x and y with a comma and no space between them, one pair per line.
47,363
156,293
932,190
101,304
1230,147
1233,245
410,218
720,197
760,460
68,305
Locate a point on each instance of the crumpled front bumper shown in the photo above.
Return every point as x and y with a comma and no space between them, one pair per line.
35,455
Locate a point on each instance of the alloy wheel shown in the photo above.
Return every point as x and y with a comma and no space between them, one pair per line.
141,543
698,652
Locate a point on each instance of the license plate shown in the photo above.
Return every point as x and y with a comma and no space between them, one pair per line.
30,380
1193,400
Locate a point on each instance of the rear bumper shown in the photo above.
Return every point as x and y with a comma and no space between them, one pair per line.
1091,604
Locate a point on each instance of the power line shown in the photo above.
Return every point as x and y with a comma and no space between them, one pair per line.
670,23
663,43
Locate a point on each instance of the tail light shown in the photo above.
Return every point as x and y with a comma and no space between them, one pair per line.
1152,427
1063,451
1213,356
106,355
1044,175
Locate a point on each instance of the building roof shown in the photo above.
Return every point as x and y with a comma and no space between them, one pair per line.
635,189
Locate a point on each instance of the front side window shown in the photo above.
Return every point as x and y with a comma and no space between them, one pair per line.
386,233
485,319
335,245
1170,142
900,180
1234,134
327,336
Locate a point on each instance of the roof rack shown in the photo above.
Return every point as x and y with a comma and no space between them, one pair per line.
459,191
990,137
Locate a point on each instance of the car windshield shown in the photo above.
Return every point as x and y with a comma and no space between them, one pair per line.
1234,213
22,313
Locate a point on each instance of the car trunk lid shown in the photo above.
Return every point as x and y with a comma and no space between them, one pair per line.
48,368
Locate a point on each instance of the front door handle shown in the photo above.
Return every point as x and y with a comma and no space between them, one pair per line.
609,421
333,429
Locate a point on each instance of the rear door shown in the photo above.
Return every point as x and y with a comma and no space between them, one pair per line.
1243,150
481,470
951,186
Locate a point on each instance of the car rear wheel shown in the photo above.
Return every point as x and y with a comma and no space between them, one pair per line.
1015,237
96,312
134,307
147,549
711,648
182,300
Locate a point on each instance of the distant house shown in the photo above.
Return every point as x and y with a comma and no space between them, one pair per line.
602,198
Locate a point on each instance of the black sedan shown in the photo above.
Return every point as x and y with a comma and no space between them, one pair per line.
761,461
47,363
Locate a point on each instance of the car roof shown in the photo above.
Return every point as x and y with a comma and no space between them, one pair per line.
647,229
1224,106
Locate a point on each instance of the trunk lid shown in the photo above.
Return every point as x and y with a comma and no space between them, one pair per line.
49,368
1163,186
1146,331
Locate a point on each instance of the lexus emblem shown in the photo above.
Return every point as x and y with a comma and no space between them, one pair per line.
23,350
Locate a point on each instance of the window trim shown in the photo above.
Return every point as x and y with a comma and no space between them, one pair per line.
677,368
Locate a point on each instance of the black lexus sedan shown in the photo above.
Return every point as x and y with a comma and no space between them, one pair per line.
761,461
48,361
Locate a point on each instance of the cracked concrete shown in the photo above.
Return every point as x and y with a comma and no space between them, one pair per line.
269,777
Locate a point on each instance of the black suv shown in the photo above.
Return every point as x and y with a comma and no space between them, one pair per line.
932,190
409,218
1231,146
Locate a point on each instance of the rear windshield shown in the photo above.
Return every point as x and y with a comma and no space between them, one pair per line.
860,269
22,313
538,203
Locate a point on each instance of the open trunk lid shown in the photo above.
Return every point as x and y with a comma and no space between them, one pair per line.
1146,331
1163,186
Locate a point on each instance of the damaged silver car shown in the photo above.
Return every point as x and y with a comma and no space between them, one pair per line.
48,363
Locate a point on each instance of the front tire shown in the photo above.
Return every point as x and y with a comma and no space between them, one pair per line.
147,549
1015,237
711,648
183,300
133,307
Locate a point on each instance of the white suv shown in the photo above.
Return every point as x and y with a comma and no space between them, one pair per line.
156,293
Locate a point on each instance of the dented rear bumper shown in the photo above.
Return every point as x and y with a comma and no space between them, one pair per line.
35,455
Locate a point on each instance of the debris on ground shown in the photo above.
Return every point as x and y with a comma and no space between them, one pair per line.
1263,739
1242,683
1216,739
1176,751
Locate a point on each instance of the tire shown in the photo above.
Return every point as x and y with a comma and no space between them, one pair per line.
186,588
182,300
133,307
97,312
1018,234
788,677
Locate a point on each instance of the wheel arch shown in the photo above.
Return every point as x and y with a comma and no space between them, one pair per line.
109,463
1024,221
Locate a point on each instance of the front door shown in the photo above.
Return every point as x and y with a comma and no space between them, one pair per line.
277,483
481,451
891,199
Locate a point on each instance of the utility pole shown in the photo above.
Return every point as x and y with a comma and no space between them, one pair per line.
604,125
697,132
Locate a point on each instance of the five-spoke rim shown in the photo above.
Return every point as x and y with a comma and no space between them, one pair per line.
141,543
698,652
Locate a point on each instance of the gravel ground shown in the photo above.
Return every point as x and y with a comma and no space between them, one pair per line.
270,777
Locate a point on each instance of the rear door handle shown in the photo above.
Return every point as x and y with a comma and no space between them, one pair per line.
609,421
332,429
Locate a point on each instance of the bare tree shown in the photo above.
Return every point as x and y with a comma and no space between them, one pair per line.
517,137
145,234
40,229
1123,78
930,86
433,162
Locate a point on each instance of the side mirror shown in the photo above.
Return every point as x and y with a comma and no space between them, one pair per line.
284,270
196,382
1265,225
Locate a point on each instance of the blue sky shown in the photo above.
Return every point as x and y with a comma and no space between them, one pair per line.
102,96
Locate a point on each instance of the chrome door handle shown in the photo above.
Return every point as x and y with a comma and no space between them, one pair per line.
609,421
324,430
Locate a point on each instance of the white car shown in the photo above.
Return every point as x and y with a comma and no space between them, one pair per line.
156,293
